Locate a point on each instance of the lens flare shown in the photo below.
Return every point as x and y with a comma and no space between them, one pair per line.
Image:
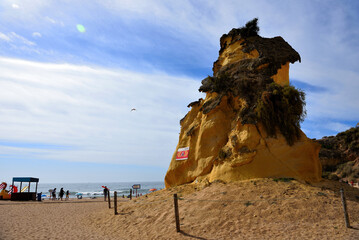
81,28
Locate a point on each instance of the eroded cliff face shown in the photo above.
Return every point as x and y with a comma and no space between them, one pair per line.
339,155
226,141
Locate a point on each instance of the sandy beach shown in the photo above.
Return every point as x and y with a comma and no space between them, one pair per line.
48,219
253,209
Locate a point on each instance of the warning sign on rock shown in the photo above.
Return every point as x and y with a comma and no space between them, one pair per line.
182,153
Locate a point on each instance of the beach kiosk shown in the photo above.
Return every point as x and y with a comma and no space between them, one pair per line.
26,194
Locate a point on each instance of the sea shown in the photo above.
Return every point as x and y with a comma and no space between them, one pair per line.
94,190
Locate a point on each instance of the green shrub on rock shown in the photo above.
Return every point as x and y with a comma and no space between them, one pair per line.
281,107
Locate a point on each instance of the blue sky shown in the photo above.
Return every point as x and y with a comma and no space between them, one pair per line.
67,95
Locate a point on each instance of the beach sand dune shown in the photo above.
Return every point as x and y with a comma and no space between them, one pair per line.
252,209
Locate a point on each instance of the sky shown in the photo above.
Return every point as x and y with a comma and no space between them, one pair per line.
72,70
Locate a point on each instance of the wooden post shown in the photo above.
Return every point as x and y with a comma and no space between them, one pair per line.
131,194
115,202
12,188
109,200
175,199
344,202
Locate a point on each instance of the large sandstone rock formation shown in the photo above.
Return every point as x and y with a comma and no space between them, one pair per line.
225,133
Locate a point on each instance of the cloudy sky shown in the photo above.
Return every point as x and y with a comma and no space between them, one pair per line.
72,70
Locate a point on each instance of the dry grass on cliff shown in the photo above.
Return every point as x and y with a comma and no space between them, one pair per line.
253,209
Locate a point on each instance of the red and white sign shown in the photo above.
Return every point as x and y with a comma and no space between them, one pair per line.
182,153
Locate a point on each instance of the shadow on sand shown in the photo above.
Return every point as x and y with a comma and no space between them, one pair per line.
189,235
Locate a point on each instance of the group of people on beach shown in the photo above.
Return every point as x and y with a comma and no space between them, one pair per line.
61,194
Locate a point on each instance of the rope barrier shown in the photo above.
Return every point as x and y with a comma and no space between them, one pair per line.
148,203
318,194
242,200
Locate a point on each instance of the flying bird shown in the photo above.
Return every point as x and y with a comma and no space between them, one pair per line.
133,109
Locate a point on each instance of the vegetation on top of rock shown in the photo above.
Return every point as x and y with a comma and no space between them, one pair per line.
249,30
344,142
283,108
195,103
339,155
349,139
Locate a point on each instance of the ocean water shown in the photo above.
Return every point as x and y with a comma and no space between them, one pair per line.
96,189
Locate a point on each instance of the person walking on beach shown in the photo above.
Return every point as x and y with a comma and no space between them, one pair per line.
50,195
105,191
53,194
67,195
61,193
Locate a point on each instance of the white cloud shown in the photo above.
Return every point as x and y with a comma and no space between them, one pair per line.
16,39
53,21
4,37
26,12
337,126
177,17
88,109
36,35
325,127
339,100
50,20
21,39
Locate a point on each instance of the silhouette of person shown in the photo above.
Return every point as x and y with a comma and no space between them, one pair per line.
105,192
61,193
